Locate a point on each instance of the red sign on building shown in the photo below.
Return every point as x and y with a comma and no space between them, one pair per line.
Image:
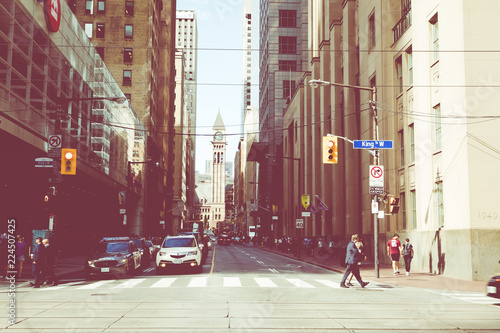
53,14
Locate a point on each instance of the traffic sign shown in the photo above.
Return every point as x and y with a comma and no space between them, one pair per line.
55,141
376,176
373,144
43,162
299,223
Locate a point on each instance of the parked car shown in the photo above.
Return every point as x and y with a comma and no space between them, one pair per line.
144,248
224,239
179,251
113,256
493,287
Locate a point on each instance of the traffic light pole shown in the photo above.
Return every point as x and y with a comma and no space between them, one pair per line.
316,83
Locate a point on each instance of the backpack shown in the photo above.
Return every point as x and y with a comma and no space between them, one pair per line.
407,249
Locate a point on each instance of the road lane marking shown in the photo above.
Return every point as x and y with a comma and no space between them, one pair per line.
213,261
61,286
129,283
273,270
260,262
232,282
265,283
198,282
96,284
149,269
329,283
164,283
299,283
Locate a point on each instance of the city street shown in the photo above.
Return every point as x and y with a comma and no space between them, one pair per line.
245,289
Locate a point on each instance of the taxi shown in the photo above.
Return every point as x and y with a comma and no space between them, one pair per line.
113,256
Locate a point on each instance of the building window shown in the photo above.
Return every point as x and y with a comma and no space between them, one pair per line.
288,89
287,65
127,55
129,8
89,27
287,45
402,204
440,206
100,51
437,127
99,33
101,6
412,143
89,7
409,54
399,73
402,147
127,77
413,195
288,18
129,31
435,37
372,30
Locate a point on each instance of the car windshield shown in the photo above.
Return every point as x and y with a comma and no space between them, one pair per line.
137,242
113,247
179,242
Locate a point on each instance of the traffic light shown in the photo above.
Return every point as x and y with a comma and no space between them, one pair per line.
393,205
329,150
68,161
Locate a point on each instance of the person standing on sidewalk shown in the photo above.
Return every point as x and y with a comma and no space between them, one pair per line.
394,251
50,263
38,263
21,252
353,256
407,255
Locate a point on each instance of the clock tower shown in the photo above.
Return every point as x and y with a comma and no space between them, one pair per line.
218,207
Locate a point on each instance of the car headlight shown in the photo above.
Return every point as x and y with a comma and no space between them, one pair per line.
163,253
192,253
90,262
124,260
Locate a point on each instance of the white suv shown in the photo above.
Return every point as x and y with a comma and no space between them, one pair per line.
179,251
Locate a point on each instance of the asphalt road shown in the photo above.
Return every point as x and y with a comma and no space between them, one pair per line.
243,289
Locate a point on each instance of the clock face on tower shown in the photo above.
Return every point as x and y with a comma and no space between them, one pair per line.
218,136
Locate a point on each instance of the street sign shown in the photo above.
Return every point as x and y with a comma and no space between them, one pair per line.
299,223
373,144
55,141
376,176
43,162
376,190
374,207
306,214
275,217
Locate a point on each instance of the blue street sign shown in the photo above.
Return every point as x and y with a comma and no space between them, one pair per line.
373,144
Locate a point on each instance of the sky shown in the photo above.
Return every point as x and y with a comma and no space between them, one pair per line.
220,24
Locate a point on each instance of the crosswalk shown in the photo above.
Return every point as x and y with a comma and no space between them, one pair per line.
201,282
472,297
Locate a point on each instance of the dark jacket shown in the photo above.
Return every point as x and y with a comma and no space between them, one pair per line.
39,254
50,255
352,256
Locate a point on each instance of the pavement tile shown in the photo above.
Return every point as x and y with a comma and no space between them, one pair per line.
390,324
66,324
301,324
178,323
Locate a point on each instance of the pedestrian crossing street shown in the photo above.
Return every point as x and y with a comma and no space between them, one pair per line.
204,281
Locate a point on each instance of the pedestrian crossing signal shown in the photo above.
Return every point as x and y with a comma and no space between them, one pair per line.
68,161
393,205
329,150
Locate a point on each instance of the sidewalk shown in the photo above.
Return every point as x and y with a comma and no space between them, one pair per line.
417,279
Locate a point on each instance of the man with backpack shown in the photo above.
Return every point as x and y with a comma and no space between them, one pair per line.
407,255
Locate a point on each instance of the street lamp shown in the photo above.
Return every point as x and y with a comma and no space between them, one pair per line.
316,83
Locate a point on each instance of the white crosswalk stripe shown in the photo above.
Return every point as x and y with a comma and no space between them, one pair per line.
329,283
198,282
96,284
232,282
265,283
164,283
478,298
129,283
300,283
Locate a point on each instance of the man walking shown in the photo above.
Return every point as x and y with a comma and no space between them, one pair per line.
394,251
353,256
38,262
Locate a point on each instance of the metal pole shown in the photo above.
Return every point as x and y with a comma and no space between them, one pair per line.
375,157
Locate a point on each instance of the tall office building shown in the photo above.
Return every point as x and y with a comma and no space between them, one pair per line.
283,59
187,44
135,40
247,59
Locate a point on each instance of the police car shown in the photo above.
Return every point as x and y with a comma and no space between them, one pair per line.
113,256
